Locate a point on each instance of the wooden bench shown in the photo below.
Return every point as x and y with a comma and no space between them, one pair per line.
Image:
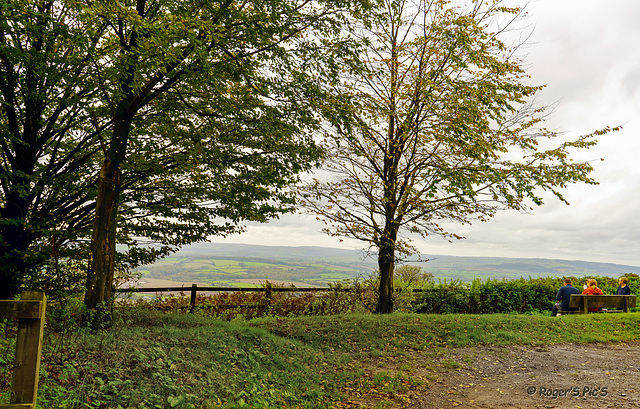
585,301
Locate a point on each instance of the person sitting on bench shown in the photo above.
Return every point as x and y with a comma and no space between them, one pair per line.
563,298
624,288
592,288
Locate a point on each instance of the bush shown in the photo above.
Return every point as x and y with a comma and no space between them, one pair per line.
341,298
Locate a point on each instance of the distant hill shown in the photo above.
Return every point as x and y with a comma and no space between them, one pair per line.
246,265
465,268
302,253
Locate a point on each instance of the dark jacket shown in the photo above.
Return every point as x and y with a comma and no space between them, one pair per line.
564,295
624,290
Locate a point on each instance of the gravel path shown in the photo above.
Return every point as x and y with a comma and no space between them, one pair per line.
557,376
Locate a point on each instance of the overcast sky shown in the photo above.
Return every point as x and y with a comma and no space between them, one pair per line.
586,52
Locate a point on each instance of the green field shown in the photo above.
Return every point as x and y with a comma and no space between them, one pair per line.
217,270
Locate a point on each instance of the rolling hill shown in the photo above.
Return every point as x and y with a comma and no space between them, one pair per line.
247,265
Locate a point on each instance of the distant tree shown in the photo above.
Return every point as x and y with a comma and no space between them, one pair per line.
442,133
411,276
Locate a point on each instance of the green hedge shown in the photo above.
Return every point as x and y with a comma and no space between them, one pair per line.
503,296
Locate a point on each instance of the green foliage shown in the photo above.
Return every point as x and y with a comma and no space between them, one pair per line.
8,330
155,360
407,278
46,170
415,291
65,314
201,112
58,279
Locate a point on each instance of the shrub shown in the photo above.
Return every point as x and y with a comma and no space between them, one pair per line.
341,298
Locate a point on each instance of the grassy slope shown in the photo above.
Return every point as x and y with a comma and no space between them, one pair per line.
155,360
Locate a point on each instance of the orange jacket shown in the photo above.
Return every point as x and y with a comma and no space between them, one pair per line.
592,291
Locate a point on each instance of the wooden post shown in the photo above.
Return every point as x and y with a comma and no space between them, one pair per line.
30,311
585,308
194,290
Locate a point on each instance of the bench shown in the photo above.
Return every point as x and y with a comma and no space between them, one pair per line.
585,301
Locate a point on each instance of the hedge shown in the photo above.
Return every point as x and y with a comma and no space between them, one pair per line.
503,296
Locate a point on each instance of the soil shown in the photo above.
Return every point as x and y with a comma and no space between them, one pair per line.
555,376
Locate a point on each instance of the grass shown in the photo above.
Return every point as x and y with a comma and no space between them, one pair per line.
155,360
395,334
170,360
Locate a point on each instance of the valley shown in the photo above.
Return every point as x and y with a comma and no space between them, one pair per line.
240,265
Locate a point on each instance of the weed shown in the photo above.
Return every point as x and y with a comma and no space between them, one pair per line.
451,364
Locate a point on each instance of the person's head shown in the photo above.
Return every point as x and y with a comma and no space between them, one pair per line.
592,283
567,281
623,281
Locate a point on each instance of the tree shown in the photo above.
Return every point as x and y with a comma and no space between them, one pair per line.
440,131
199,115
211,111
46,149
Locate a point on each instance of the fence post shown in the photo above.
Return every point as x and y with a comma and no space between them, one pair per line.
268,293
194,290
30,311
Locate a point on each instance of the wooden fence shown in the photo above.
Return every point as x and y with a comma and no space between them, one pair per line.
29,311
194,290
267,289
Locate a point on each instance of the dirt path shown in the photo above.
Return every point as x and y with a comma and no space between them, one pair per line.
557,376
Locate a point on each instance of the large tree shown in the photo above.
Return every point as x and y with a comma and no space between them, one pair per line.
211,111
46,147
196,114
443,132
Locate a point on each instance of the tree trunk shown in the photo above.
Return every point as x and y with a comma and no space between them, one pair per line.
15,238
103,239
103,246
13,243
385,290
386,263
15,234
